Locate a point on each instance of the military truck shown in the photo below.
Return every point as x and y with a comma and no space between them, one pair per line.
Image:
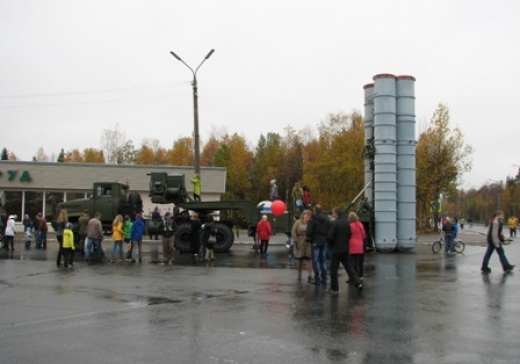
171,188
113,198
108,198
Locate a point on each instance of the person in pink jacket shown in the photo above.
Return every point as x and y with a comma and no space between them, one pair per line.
356,244
264,232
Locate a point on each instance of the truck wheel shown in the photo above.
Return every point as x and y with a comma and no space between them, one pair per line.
225,238
182,238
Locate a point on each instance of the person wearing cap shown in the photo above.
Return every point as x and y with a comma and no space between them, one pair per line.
167,228
68,246
196,186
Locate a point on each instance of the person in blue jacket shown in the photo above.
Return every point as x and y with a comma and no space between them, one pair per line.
136,237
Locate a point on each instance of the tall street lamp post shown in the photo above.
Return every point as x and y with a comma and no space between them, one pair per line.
195,109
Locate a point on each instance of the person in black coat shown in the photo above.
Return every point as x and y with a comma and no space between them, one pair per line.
338,237
195,234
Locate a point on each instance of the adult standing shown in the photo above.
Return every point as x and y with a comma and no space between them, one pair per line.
41,231
317,235
59,227
306,197
264,232
136,236
167,228
448,228
495,238
297,196
9,234
82,227
118,234
94,236
356,243
512,222
273,192
302,246
156,216
3,219
338,237
195,227
196,186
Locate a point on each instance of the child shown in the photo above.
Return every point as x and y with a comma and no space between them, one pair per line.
27,238
136,236
127,227
68,246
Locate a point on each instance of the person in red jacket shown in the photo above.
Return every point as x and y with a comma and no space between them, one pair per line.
356,243
264,232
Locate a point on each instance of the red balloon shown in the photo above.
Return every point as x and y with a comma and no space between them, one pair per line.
278,207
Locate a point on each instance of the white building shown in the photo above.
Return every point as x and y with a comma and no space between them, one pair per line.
32,187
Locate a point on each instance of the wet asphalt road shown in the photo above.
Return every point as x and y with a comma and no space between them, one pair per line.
415,308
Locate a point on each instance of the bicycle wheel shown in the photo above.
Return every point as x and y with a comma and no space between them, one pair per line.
459,246
436,246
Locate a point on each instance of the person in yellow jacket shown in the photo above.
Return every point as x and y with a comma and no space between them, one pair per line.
196,186
512,223
68,246
118,234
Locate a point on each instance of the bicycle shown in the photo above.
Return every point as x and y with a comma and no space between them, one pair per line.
437,245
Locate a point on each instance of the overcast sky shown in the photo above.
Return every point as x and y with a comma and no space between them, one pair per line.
70,68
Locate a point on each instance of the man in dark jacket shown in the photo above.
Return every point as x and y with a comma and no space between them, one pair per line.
338,237
317,234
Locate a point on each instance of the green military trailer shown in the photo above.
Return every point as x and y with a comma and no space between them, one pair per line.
171,189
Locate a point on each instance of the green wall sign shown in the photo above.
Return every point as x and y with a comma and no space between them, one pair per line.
24,176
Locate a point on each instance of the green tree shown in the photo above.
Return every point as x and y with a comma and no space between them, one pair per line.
5,155
442,156
61,156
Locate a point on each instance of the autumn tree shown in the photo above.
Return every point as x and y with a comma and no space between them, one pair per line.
266,164
291,164
92,155
182,152
334,169
144,155
151,153
442,156
207,156
74,156
234,155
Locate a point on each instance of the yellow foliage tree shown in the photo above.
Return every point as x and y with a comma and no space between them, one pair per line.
74,156
333,168
442,156
92,155
182,152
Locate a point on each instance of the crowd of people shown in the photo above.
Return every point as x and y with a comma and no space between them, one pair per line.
318,238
